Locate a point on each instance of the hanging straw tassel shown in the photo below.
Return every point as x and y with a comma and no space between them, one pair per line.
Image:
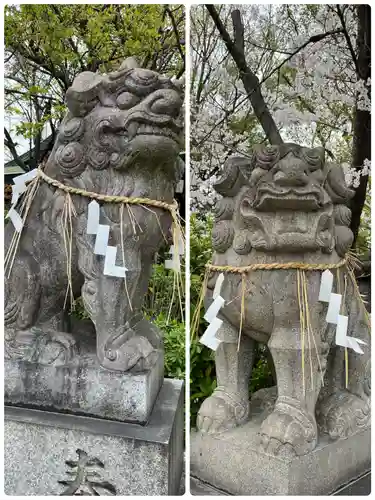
302,326
307,323
67,227
197,313
243,276
27,201
309,327
338,276
178,239
123,252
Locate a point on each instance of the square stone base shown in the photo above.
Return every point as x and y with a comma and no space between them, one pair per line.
50,453
84,387
231,462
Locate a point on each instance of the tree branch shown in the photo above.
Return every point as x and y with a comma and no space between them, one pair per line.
177,36
347,38
238,30
39,96
313,39
70,40
249,79
12,148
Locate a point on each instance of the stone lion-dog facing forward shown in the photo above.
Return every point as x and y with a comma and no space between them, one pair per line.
285,204
121,137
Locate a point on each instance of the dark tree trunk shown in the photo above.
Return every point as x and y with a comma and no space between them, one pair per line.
362,119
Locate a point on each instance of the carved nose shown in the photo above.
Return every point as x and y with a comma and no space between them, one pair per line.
166,102
292,176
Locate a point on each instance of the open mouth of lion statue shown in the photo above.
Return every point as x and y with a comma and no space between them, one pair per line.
273,198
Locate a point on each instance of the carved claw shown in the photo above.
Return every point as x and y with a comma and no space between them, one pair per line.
54,347
204,423
289,430
137,354
219,413
343,414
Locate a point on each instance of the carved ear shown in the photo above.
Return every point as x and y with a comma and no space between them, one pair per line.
82,96
342,215
179,84
234,176
343,239
335,184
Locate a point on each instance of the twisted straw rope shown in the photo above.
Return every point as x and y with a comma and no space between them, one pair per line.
276,265
107,198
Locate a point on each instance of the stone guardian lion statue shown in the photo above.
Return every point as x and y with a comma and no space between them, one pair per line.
285,204
121,136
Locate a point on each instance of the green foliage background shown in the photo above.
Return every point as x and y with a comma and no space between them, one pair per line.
47,46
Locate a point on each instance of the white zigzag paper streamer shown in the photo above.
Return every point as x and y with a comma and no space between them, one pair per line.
110,268
15,218
18,188
209,337
175,262
218,285
101,242
334,316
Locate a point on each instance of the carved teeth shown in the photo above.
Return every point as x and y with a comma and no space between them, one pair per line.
135,128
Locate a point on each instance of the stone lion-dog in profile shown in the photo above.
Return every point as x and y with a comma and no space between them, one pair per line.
285,204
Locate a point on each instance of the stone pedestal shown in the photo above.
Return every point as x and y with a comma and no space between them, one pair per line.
84,387
232,463
49,453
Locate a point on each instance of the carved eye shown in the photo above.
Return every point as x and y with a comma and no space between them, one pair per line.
266,157
144,76
126,100
141,82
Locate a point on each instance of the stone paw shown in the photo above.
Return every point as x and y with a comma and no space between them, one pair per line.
55,348
288,431
221,412
343,414
136,354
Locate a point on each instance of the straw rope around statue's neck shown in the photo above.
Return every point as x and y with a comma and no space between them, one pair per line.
276,265
171,207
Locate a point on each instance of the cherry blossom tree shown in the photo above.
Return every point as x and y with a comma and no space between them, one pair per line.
273,73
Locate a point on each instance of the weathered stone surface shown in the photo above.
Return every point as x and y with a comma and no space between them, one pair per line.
232,462
84,387
285,204
361,486
136,460
121,136
201,488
